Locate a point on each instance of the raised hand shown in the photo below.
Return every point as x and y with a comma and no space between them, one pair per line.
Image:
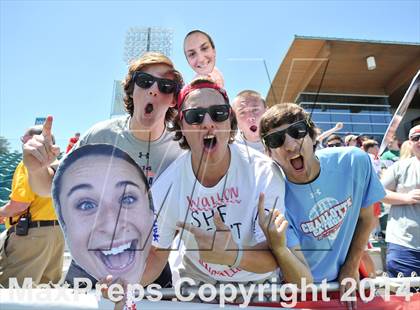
40,151
216,247
273,224
104,285
339,125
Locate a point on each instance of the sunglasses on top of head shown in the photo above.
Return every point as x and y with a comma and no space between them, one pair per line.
297,130
145,81
195,116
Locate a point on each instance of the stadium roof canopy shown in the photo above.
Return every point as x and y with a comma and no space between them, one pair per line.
332,65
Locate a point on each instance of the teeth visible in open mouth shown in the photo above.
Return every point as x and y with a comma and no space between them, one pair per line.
202,65
294,157
210,141
119,258
118,250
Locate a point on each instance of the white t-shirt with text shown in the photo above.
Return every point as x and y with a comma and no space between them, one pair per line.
178,196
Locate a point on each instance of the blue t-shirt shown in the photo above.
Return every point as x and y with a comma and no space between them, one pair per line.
323,214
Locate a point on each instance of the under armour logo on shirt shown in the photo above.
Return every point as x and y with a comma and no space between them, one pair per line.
316,192
141,154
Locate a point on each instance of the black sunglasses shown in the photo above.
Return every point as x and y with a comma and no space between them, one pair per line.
338,144
195,116
145,81
296,130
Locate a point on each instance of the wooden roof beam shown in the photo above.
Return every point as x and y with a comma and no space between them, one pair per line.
404,76
316,63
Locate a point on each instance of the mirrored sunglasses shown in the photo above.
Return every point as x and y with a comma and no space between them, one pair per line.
296,130
145,81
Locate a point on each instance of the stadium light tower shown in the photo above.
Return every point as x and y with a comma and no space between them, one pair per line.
139,40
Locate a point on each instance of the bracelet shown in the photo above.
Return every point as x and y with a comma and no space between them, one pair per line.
239,254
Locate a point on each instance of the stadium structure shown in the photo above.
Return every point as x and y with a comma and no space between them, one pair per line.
357,82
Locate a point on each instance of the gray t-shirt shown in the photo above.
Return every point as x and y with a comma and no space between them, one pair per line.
153,157
240,139
403,226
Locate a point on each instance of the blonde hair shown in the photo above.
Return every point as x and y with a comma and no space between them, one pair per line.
406,150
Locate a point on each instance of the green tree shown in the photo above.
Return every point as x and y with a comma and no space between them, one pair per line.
4,145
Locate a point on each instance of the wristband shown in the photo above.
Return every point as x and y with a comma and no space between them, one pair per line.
239,254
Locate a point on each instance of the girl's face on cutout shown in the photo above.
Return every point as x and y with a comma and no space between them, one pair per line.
108,219
201,56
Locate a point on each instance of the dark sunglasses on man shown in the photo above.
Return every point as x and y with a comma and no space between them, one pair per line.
145,81
195,116
297,130
338,144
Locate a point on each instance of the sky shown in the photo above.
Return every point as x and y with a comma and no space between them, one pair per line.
60,58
